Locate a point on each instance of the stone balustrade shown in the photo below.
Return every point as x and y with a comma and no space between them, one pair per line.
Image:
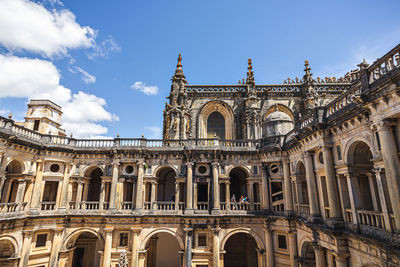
384,65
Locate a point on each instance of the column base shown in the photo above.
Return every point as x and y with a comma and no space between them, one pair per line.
61,210
111,210
335,223
137,212
189,211
215,212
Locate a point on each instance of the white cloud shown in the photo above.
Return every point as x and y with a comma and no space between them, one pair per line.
86,77
104,49
155,132
29,26
4,112
40,79
142,87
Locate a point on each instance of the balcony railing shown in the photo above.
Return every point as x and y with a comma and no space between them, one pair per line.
371,218
202,206
48,205
8,207
303,209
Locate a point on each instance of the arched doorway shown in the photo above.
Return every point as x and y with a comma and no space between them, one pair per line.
238,184
10,188
94,186
166,184
8,255
240,250
301,192
307,255
216,125
163,251
85,250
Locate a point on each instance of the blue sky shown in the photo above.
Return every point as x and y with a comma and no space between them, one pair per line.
87,55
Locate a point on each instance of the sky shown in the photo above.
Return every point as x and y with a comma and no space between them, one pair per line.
109,63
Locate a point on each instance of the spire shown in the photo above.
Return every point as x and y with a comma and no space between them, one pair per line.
363,65
179,72
307,76
250,74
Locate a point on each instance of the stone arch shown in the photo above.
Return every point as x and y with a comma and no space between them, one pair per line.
15,166
259,242
304,240
307,253
279,108
166,178
224,109
299,169
351,145
88,169
147,237
70,239
242,167
159,169
13,242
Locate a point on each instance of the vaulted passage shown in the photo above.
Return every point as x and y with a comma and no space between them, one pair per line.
241,250
163,251
85,251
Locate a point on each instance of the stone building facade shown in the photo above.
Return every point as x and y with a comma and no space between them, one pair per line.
317,160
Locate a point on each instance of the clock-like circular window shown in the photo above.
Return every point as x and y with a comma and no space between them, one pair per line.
202,169
129,169
274,168
54,167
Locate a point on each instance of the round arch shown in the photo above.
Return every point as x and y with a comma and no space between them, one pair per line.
159,169
70,239
161,230
226,112
16,163
259,242
351,146
88,169
13,242
303,242
299,169
279,108
241,167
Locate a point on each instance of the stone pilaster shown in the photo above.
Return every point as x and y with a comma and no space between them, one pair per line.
269,246
188,248
216,232
293,249
20,193
139,187
26,247
113,191
64,189
37,188
216,201
288,188
189,188
315,214
135,246
107,246
320,260
55,247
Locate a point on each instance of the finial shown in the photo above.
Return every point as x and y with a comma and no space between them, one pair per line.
10,115
142,135
250,74
363,65
180,59
308,74
70,135
117,135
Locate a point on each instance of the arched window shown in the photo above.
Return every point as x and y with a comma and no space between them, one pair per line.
216,125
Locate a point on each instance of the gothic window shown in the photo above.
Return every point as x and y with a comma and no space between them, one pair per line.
216,125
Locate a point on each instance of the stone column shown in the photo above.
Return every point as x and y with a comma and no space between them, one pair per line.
55,247
319,256
228,195
153,203
311,187
288,187
135,246
133,194
188,248
392,168
20,193
26,247
2,181
352,188
139,187
37,188
269,246
373,192
195,195
216,246
265,190
113,191
177,190
382,199
293,249
79,194
189,188
107,247
331,185
216,201
250,194
102,194
64,189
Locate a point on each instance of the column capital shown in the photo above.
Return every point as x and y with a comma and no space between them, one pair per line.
216,230
136,230
308,154
215,164
58,230
285,160
384,125
108,230
140,162
27,233
188,229
190,163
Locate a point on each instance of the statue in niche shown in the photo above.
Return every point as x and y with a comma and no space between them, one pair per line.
175,126
188,126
